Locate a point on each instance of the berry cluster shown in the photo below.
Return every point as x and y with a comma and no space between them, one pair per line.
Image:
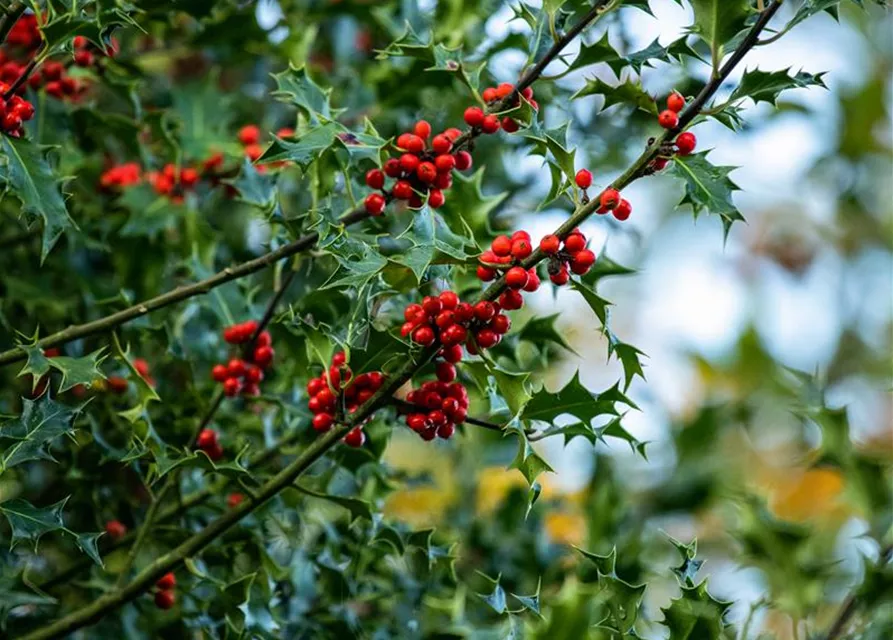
492,95
573,256
173,182
119,385
609,200
14,112
440,405
165,597
207,441
424,168
120,176
669,119
24,34
506,253
243,375
337,388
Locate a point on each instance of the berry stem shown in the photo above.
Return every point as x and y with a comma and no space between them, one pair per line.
285,478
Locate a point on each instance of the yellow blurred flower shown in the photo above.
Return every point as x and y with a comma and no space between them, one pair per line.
565,528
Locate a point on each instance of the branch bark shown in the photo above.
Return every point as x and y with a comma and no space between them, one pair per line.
287,476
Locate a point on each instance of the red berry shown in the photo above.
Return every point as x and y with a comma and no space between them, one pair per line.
231,387
489,94
504,89
527,92
561,277
501,246
486,338
431,305
445,371
236,368
115,529
484,310
452,353
375,204
609,198
83,58
413,312
445,319
207,438
675,102
485,274
490,124
623,210
253,375
414,144
453,134
511,299
323,421
550,244
501,324
441,144
117,384
249,134
403,190
409,162
355,437
392,168
375,179
167,581
165,599
446,431
516,277
449,300
11,122
424,336
233,500
533,281
668,119
509,125
521,249
25,110
444,163
574,242
454,335
263,356
417,421
219,373
474,117
583,178
659,163
427,172
685,143
463,161
582,261
422,129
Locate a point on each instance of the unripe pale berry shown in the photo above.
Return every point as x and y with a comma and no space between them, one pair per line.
583,178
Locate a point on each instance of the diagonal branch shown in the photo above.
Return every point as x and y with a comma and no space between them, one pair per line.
285,478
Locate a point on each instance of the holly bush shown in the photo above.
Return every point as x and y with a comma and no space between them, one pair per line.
269,363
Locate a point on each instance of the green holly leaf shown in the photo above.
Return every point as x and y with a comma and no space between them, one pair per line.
367,145
621,598
234,470
87,542
32,181
765,86
145,392
690,566
598,304
528,461
30,523
42,421
531,602
255,188
605,267
541,331
84,371
432,230
654,52
496,598
97,26
707,187
615,429
695,615
297,88
37,364
628,93
507,391
307,147
573,400
599,51
718,21
467,206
